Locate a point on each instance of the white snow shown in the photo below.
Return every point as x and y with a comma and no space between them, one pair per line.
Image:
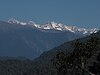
22,23
12,20
55,26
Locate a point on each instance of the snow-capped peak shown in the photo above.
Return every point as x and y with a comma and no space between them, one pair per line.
53,25
33,24
12,20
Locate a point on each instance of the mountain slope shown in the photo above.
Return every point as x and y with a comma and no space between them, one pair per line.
43,65
46,60
28,41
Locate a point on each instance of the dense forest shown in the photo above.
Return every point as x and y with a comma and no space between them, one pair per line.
84,59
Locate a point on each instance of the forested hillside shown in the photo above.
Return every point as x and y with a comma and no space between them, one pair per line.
78,57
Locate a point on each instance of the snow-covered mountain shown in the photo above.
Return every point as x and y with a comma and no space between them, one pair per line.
55,26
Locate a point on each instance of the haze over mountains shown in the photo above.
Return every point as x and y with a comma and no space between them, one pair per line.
30,40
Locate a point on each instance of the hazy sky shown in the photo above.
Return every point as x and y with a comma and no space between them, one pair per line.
82,13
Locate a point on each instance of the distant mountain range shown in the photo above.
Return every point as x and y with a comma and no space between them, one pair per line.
30,40
55,26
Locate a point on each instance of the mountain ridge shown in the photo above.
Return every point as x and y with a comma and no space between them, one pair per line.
55,26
